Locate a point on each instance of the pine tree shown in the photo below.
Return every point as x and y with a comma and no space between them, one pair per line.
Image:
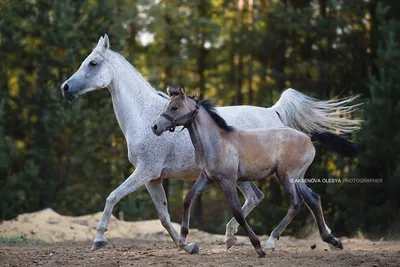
380,134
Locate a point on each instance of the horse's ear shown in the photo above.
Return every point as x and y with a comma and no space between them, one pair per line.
106,43
101,41
182,90
171,90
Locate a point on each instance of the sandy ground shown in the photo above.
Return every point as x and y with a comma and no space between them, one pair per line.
69,240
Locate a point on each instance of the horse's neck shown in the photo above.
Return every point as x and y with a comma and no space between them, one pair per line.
205,136
135,102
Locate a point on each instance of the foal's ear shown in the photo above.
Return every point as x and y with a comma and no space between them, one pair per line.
171,91
181,89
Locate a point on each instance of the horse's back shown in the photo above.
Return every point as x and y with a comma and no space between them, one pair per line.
250,117
262,151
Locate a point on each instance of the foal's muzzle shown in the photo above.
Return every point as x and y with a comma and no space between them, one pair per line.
157,130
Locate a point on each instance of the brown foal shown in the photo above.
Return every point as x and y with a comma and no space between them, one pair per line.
227,155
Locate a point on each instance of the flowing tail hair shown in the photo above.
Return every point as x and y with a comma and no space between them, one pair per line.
320,119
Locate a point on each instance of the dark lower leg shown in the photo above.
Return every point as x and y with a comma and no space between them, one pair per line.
295,205
292,212
253,196
313,201
229,189
201,184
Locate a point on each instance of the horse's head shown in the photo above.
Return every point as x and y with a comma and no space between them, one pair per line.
180,110
93,73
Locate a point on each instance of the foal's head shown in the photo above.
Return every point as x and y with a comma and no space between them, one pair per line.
180,110
183,109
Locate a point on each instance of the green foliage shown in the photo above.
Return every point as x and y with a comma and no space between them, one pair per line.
380,136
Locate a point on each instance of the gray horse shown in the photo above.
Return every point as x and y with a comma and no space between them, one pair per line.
136,104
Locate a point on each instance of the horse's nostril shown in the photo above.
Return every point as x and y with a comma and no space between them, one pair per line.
66,87
155,127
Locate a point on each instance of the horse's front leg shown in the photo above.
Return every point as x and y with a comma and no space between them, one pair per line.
157,193
199,186
139,177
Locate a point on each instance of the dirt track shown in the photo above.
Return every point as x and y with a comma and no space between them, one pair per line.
145,253
69,240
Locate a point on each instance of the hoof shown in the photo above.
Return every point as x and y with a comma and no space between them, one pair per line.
230,242
98,244
192,248
261,254
339,244
271,243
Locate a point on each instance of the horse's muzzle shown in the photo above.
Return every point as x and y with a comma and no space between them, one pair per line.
67,93
156,130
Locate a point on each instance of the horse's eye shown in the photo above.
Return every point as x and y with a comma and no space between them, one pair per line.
93,63
174,108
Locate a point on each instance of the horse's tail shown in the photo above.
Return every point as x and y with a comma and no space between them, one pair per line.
335,143
310,115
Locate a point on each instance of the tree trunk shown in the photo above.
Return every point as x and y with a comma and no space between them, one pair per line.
250,60
239,60
281,60
373,37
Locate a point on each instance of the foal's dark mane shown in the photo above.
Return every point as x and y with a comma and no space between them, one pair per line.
210,108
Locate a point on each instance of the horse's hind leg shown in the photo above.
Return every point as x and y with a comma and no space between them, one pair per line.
295,205
253,197
229,189
313,202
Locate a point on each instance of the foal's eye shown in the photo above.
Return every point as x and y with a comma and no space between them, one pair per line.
174,108
93,63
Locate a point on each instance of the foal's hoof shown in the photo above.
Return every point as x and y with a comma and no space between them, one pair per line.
98,244
192,248
338,244
261,254
230,242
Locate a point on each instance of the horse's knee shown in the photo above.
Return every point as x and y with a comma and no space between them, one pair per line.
255,199
165,219
111,199
261,197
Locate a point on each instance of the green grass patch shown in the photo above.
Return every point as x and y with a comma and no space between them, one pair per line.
20,239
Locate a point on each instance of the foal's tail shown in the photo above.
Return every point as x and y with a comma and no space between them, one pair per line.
310,115
335,143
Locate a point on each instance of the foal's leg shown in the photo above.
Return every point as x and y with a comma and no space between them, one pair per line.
295,204
229,188
157,193
253,196
138,178
199,186
313,203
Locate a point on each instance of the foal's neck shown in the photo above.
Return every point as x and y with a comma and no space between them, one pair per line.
135,102
206,137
